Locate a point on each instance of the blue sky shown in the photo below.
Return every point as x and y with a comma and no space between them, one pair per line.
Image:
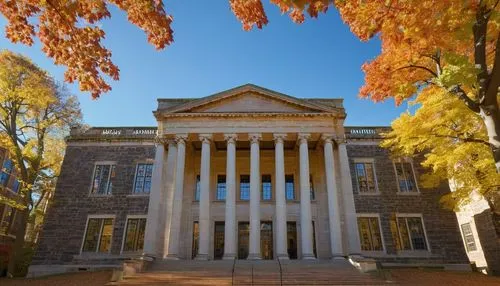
211,53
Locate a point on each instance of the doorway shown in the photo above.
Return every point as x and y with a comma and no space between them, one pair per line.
219,240
291,236
266,240
243,238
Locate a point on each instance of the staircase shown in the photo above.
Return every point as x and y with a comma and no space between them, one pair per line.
247,272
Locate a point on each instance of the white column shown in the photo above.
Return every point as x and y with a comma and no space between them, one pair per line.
230,222
155,196
351,221
175,224
254,245
333,199
166,204
279,156
305,200
204,216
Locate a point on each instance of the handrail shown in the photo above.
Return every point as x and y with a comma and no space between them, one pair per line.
232,272
281,272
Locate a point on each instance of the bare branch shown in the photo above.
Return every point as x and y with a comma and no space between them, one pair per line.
458,91
418,67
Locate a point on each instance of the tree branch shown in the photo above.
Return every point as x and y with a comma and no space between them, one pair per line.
418,67
494,82
479,31
460,93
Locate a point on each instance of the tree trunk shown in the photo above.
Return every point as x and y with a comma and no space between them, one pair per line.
491,118
16,255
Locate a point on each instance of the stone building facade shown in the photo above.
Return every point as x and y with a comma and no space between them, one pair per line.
247,173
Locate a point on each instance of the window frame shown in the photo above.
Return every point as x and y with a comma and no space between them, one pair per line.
197,188
135,178
413,215
96,252
377,216
239,188
217,187
12,220
293,185
469,224
375,180
124,236
262,188
100,163
401,161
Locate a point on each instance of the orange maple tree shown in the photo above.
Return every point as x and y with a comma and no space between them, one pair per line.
69,33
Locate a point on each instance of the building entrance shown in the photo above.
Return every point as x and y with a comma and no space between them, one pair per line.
219,240
291,236
266,240
243,237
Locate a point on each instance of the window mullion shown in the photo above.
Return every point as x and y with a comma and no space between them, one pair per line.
109,178
100,233
409,234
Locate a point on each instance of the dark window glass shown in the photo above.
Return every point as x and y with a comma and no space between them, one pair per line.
267,188
98,235
311,189
369,234
470,243
366,177
197,189
289,187
7,168
406,178
196,235
102,184
7,219
221,188
244,187
134,235
142,184
409,234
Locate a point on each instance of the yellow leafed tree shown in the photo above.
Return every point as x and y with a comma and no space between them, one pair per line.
35,114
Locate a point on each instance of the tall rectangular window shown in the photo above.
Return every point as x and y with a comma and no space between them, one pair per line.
7,219
221,188
134,234
311,189
98,235
408,233
470,243
406,177
244,187
143,174
267,188
7,168
365,176
289,187
197,189
102,183
369,234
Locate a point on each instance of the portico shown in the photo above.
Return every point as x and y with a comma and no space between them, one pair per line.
251,174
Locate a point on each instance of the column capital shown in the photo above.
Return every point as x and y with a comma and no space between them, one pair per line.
328,137
303,137
230,137
205,138
181,138
279,137
161,140
254,137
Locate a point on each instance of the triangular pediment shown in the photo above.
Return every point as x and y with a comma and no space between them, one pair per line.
248,99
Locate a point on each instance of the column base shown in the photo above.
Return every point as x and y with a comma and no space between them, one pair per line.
203,257
338,256
308,256
254,256
172,257
229,256
283,256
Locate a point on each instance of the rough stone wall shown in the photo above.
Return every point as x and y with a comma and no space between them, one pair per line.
489,239
63,231
441,225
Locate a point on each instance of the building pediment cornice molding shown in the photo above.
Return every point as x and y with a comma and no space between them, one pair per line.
251,114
